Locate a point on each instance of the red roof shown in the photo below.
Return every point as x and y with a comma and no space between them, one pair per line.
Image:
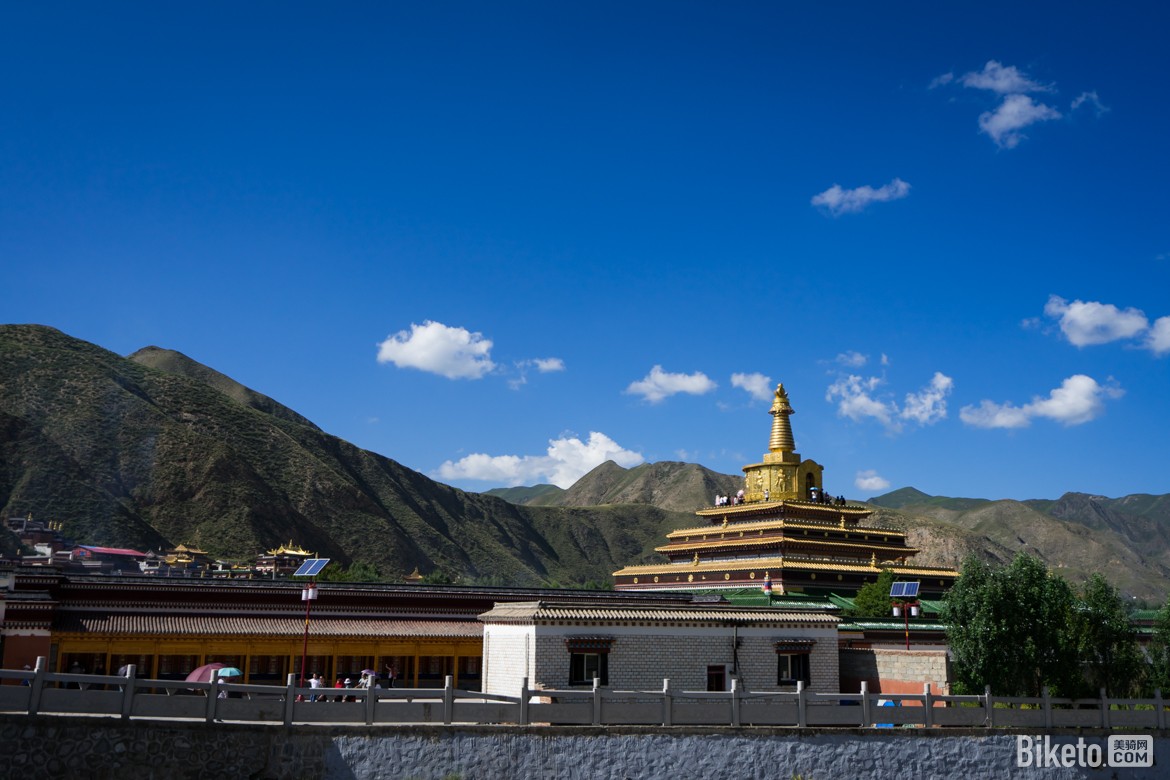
111,551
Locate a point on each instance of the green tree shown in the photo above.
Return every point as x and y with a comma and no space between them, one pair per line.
437,577
1106,644
1009,627
873,599
357,572
1158,670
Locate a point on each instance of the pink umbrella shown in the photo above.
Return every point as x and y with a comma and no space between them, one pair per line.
203,673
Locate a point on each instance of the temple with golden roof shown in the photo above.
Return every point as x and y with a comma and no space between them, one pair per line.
784,529
282,561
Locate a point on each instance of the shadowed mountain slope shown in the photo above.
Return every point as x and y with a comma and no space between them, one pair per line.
156,450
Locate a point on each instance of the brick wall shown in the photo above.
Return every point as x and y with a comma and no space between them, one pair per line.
888,670
641,660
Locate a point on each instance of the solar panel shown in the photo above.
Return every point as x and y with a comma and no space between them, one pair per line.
904,590
311,567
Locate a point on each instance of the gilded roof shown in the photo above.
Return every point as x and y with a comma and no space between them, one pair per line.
780,523
779,563
761,541
762,507
288,549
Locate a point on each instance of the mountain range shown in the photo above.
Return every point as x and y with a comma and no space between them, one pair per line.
154,449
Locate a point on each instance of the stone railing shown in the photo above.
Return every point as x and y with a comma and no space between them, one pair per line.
41,692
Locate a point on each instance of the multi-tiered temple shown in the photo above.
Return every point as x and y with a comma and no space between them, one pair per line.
784,528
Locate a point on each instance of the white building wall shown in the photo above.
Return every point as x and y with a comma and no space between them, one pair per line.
508,657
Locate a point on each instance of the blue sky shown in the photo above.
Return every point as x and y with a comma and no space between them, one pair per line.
502,242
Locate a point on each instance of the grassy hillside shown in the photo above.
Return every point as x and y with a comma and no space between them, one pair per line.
156,450
1127,540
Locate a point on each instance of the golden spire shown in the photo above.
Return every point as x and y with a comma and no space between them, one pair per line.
781,440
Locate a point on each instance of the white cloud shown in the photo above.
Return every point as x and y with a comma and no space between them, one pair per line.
838,200
1158,340
543,365
854,397
549,365
940,81
1017,110
659,384
1001,79
1088,322
989,414
757,385
930,404
852,359
1014,114
567,460
455,353
1090,98
870,480
1078,400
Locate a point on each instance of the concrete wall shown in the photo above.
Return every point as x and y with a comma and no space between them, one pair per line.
43,747
888,670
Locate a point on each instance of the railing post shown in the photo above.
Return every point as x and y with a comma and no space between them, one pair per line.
128,691
1047,694
38,684
801,715
448,699
988,707
667,703
866,720
213,696
371,700
525,695
735,702
290,696
1104,710
928,704
596,701
1161,719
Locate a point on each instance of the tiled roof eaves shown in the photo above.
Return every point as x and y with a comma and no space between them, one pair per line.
205,626
553,615
778,563
772,506
782,523
762,541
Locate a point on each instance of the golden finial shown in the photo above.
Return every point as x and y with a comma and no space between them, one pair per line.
781,440
695,560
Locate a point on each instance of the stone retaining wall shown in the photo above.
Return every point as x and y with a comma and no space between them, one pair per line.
50,747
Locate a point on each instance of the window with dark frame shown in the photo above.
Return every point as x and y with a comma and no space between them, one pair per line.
588,658
717,678
583,667
792,668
